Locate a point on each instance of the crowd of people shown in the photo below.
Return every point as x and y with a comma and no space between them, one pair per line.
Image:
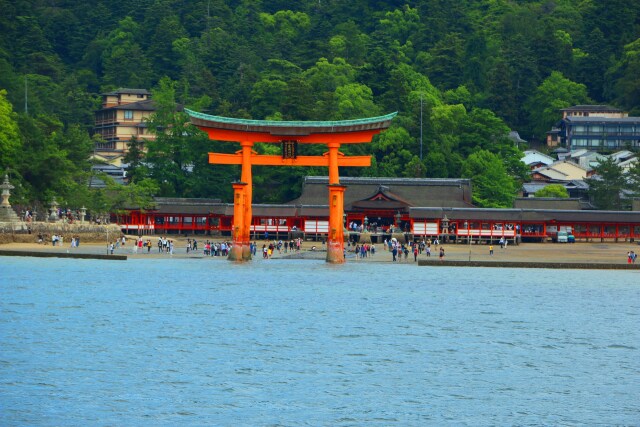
401,251
280,246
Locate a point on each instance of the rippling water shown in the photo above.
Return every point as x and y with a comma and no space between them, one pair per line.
207,342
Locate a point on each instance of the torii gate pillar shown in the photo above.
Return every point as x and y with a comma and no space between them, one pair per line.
335,241
240,239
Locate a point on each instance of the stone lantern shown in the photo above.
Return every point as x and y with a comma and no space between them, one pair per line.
6,191
6,213
398,216
83,214
53,215
444,225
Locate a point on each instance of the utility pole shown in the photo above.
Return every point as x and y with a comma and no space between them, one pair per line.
420,126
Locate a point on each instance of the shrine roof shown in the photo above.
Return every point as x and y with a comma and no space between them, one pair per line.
285,127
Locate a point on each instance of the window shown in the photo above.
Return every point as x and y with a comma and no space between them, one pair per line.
128,114
579,142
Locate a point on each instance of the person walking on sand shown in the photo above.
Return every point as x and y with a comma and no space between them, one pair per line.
441,253
491,250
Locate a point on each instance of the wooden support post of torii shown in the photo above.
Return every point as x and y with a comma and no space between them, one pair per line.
289,134
333,159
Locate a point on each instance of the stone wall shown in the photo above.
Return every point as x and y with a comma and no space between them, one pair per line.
86,232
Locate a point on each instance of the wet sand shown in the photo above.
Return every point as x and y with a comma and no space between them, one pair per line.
601,253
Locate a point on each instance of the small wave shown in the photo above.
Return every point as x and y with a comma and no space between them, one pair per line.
625,347
47,385
549,347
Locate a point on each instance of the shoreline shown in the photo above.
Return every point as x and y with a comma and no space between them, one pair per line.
608,255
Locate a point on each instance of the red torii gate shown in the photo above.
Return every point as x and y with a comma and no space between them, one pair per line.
289,134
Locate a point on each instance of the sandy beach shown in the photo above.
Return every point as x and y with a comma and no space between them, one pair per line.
601,253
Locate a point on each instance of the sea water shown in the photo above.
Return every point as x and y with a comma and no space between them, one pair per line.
300,342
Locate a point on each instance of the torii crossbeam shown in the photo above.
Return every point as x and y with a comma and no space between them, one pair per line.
289,134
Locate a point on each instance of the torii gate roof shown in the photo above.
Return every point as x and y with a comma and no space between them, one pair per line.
290,128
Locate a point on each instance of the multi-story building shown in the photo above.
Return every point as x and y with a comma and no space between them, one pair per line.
595,127
123,116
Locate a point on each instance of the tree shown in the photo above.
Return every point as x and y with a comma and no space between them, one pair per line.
492,185
168,154
125,63
554,93
9,133
445,62
553,190
633,179
267,97
624,77
136,170
354,101
391,150
606,185
436,164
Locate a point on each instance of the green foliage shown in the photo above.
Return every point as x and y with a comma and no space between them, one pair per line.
633,179
9,133
354,101
392,150
553,190
625,77
492,185
554,93
606,185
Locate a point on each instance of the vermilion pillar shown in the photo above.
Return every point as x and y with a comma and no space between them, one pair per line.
239,202
335,241
246,177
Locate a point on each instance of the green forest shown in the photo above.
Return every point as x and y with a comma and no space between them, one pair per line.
461,75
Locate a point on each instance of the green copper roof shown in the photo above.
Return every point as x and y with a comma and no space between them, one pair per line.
200,119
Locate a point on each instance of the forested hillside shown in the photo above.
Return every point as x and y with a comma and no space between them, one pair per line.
468,70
